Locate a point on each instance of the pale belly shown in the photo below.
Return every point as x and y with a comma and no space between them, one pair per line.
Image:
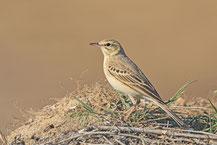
117,85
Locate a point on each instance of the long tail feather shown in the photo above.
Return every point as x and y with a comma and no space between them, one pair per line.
163,106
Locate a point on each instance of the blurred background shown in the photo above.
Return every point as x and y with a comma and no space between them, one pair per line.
44,46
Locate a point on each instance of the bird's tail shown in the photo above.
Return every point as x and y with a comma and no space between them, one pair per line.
163,106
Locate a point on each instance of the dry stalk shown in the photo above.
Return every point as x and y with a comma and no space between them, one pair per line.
173,132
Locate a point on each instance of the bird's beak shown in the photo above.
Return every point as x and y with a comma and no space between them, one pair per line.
94,44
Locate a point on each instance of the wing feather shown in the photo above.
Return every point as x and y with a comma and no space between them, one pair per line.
135,82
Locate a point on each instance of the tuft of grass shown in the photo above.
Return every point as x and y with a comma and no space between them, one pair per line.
84,105
213,107
115,113
200,121
83,116
139,115
205,121
212,119
179,92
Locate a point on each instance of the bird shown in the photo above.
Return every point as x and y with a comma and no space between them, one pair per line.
127,78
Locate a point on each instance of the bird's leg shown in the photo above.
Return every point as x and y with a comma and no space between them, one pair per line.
130,111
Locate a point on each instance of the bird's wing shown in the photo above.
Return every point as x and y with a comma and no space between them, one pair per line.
133,78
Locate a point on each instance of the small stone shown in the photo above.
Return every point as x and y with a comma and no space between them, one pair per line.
71,108
180,102
211,142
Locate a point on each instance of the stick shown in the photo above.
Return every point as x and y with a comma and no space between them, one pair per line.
162,132
190,107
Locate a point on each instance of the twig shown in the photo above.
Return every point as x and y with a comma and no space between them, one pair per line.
202,135
107,140
93,133
119,141
190,107
186,133
148,140
197,132
143,141
182,139
95,144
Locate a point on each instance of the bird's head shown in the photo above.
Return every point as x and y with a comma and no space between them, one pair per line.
109,47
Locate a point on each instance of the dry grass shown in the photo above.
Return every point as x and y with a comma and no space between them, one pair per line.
69,122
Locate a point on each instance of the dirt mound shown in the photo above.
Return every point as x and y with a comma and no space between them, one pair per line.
57,118
68,121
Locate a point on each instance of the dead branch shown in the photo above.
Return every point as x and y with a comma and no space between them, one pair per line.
185,135
171,132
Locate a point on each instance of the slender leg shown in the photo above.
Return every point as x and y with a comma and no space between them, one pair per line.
130,111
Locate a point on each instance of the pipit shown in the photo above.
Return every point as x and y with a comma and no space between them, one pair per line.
126,77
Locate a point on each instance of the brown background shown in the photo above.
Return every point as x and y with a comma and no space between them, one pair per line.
45,42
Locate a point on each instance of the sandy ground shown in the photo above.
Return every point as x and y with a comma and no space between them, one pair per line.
58,120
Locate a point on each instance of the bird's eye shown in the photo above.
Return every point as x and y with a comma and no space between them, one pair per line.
108,44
